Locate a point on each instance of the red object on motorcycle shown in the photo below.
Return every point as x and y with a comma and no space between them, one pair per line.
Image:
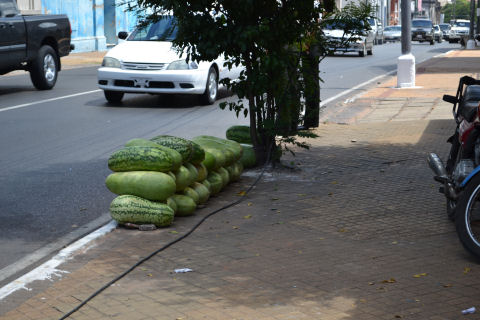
464,129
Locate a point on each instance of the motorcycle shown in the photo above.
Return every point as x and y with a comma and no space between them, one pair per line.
460,178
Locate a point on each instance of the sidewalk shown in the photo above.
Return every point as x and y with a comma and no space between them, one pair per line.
357,230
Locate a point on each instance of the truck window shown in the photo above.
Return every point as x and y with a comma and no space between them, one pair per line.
7,8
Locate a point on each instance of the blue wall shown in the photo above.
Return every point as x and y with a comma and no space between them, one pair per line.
92,21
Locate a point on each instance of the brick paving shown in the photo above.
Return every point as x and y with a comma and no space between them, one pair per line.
353,228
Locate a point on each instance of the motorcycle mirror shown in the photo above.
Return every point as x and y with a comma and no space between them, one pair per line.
450,99
468,80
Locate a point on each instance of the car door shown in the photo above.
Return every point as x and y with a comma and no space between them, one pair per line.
13,44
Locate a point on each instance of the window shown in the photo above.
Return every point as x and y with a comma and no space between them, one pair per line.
29,6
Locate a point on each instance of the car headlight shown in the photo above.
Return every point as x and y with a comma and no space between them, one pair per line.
182,65
111,62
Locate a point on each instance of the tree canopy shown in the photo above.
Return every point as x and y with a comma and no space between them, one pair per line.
266,37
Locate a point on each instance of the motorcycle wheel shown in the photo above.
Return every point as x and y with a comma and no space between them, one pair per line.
467,219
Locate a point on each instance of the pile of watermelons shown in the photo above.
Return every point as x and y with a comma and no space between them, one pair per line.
168,176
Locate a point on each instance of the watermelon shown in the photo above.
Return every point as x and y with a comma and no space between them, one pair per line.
207,184
216,182
202,172
150,185
240,134
190,192
210,161
190,152
193,171
133,209
185,205
172,204
234,146
183,178
202,191
138,158
248,158
176,157
235,171
224,174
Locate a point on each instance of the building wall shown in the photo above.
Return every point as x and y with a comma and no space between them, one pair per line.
92,21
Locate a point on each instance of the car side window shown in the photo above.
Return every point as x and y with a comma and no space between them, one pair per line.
7,9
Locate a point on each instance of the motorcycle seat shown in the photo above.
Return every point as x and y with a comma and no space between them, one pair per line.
469,105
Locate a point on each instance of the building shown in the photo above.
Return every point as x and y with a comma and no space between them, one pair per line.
95,23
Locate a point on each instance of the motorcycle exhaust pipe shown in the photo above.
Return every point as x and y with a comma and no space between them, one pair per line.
437,166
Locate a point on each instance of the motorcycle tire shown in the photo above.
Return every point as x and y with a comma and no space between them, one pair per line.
467,218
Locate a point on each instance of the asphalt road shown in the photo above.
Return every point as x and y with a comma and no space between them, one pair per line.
55,145
345,71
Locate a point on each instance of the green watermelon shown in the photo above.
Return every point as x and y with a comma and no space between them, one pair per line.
216,182
235,171
138,158
172,204
133,209
202,191
207,184
176,157
240,134
150,185
202,172
191,152
193,171
234,146
224,174
248,158
185,205
183,178
209,162
190,192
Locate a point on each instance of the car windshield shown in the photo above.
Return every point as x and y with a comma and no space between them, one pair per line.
462,24
338,25
422,23
444,27
393,28
162,30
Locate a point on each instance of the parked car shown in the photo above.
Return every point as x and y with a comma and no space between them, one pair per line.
460,28
437,33
392,33
147,63
341,41
377,30
445,27
422,30
33,43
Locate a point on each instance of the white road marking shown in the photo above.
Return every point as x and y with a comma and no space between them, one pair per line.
358,86
49,269
48,100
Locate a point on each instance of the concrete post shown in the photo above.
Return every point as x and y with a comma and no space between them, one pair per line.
406,62
471,41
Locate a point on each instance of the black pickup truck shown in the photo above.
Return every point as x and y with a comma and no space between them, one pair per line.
33,43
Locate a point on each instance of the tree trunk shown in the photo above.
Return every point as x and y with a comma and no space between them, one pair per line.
311,77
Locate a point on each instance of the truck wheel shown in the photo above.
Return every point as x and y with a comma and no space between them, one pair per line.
44,68
113,96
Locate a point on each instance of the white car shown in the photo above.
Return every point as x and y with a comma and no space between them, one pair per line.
392,33
459,29
147,63
340,41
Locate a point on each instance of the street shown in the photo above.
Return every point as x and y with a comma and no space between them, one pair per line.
55,145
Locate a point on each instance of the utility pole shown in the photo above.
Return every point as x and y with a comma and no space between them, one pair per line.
406,62
471,41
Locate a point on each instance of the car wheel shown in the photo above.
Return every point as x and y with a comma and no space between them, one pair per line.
211,89
370,52
113,96
363,52
432,42
44,69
